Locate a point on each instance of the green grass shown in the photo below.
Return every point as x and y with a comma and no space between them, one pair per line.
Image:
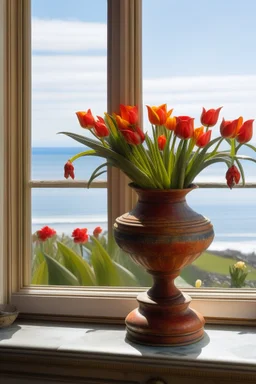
211,263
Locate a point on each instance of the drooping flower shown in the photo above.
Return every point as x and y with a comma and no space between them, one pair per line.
184,127
80,235
161,141
245,132
158,115
45,233
129,113
232,176
86,119
97,231
202,138
69,170
229,128
171,123
209,118
198,283
100,127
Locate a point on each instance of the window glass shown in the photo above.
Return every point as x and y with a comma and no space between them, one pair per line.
195,55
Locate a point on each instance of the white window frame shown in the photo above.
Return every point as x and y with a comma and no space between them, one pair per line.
124,85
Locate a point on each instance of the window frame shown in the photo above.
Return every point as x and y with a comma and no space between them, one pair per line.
124,85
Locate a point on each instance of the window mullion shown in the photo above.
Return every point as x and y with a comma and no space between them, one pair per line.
124,86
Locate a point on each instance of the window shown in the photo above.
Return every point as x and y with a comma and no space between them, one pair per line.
124,83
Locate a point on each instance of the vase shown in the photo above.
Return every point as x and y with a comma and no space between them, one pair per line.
163,235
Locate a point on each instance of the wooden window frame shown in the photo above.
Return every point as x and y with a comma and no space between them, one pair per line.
125,86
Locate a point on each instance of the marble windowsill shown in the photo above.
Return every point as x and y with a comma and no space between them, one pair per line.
221,346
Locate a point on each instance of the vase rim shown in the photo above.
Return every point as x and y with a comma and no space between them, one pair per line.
190,188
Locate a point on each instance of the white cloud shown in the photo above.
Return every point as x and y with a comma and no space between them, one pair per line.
63,35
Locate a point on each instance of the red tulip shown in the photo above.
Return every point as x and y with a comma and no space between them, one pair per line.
100,127
171,123
232,176
229,128
86,119
45,233
184,127
129,113
132,137
161,142
140,133
69,170
97,231
245,132
202,138
80,235
158,115
209,118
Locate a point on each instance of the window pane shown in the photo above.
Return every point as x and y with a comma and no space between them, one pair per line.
195,56
69,74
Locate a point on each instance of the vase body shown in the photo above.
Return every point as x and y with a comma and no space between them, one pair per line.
163,235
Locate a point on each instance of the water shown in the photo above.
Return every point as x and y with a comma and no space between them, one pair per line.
233,213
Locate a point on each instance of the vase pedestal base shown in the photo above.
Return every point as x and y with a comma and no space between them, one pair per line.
164,322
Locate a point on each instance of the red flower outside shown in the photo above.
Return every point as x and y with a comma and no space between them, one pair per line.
161,142
86,119
69,170
45,233
184,127
232,176
97,231
80,235
100,127
209,118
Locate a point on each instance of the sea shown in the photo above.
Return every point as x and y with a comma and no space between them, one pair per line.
232,212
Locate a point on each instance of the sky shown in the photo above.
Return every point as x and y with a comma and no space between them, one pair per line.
195,54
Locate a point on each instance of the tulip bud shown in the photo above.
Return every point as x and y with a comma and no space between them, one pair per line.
69,170
240,265
203,139
209,118
97,231
198,283
229,128
232,176
161,142
129,113
131,137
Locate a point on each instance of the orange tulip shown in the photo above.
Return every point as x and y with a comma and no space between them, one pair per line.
209,118
202,138
121,123
158,115
161,141
86,119
245,132
229,128
171,123
129,113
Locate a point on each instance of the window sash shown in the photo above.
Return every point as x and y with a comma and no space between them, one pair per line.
124,85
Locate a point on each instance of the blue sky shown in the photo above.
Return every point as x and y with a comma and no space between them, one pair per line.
195,53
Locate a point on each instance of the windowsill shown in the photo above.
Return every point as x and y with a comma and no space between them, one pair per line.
223,347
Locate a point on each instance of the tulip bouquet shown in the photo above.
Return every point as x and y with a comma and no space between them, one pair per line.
175,154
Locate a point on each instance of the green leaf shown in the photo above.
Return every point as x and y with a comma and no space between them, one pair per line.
95,174
105,270
77,266
40,276
127,278
58,274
